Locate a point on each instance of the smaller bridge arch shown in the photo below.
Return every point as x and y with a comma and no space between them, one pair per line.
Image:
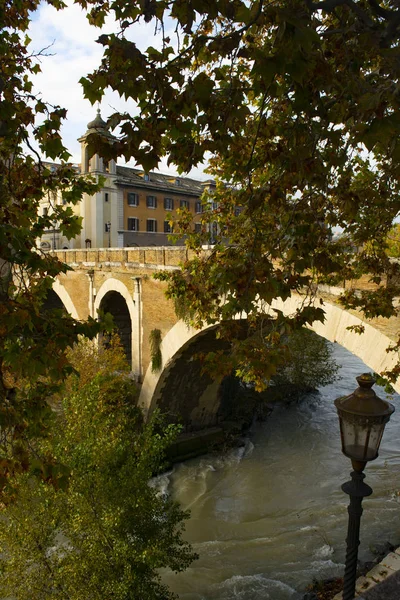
114,297
52,302
65,298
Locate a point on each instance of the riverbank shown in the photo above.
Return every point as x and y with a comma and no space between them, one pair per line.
383,570
369,575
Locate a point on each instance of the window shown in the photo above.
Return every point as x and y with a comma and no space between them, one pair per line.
106,197
107,227
197,227
45,211
151,225
184,204
133,199
169,203
146,177
238,210
167,227
214,205
151,202
133,224
198,208
64,201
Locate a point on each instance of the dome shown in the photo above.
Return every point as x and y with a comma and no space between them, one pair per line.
97,122
99,126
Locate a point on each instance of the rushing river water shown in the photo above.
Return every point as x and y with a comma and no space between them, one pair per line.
268,518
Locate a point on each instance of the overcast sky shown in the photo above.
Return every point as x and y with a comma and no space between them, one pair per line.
74,53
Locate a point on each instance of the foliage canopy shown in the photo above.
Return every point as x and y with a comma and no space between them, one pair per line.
33,342
296,105
107,533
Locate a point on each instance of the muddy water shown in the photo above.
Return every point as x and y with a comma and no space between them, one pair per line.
269,517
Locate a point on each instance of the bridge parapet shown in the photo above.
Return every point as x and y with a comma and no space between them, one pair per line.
157,258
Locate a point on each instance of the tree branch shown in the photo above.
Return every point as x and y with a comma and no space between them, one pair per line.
379,10
330,5
392,28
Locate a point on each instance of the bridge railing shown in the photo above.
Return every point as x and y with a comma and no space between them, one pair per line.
170,257
151,257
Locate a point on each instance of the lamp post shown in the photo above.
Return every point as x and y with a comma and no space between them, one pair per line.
108,230
362,418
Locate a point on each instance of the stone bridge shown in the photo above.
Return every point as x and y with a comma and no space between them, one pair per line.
120,281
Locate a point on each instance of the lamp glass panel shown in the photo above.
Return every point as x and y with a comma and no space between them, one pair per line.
361,442
376,432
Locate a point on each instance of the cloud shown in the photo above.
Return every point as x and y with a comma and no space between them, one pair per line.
72,54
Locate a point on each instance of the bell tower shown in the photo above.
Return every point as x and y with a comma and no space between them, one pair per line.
100,212
96,164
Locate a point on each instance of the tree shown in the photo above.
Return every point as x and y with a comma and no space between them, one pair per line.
310,364
393,241
109,532
296,104
33,342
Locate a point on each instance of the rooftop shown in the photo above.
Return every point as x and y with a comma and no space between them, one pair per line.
152,180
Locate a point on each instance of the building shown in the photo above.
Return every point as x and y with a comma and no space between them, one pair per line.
131,209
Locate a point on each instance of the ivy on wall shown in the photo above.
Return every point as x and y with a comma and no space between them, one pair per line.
155,350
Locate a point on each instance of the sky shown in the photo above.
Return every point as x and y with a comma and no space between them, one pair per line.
74,53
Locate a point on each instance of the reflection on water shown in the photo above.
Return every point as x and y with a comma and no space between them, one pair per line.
270,516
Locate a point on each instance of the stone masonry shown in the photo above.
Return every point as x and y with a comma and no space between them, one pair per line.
382,582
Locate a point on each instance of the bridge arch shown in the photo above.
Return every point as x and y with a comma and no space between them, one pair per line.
369,346
114,297
52,302
176,340
65,298
183,391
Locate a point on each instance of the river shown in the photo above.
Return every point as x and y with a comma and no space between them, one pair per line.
269,517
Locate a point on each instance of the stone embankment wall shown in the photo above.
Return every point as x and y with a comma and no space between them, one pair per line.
389,566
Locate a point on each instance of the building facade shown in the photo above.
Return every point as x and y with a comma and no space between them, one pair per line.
133,208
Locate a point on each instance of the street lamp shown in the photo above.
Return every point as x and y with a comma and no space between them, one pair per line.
108,230
362,418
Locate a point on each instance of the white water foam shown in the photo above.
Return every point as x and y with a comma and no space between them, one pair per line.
161,483
323,552
254,587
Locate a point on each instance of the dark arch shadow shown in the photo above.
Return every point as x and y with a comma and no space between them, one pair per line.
52,302
115,304
186,393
